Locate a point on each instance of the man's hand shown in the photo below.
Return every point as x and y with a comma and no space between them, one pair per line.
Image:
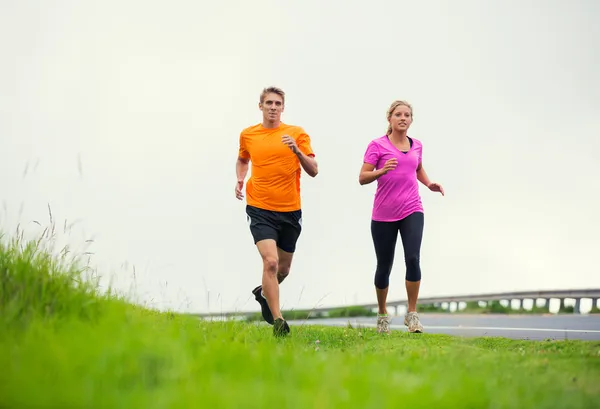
291,143
308,163
238,189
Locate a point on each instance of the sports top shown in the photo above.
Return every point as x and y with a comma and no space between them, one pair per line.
397,194
274,182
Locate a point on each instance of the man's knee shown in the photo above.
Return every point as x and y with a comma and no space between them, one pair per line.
285,262
413,268
283,272
270,265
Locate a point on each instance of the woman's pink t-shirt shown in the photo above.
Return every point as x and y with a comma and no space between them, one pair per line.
397,194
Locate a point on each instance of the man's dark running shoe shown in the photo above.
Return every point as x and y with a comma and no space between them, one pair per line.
266,311
280,328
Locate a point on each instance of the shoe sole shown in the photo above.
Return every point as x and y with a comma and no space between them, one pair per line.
418,331
264,307
282,330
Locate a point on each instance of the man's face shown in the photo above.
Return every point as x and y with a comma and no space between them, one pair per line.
272,107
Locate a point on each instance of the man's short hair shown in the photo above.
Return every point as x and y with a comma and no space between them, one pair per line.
274,90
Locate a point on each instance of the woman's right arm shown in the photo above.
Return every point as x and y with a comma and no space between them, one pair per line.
368,174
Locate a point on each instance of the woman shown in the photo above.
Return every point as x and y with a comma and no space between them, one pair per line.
395,161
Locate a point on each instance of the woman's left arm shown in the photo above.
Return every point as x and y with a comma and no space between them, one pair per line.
424,179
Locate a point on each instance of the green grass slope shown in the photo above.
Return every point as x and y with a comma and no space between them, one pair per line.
65,345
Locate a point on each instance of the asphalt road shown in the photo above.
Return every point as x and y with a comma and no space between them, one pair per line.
532,327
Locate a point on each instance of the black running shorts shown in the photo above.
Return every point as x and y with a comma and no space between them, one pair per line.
283,227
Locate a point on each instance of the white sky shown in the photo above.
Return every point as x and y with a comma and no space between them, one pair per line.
148,99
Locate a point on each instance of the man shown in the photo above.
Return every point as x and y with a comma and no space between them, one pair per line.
278,153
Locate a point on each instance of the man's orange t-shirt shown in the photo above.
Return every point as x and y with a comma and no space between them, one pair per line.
274,183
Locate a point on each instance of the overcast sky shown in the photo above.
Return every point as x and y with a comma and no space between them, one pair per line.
124,117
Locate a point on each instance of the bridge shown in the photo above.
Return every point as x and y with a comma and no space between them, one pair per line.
520,296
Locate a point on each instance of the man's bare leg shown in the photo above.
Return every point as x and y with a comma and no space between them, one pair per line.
270,284
283,269
285,263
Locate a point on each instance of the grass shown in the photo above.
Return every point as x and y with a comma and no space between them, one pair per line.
351,311
63,344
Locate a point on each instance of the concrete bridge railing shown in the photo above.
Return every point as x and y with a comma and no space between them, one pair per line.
577,295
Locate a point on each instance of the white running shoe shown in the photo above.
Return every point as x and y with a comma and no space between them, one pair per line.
411,320
383,324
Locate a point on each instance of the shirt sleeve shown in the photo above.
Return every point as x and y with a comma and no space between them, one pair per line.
242,152
303,142
371,154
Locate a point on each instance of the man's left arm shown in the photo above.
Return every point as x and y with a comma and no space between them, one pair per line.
303,150
308,163
306,156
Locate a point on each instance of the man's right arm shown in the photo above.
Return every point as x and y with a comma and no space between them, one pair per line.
241,168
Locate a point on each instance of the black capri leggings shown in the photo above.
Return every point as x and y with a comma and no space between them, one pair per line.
385,235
